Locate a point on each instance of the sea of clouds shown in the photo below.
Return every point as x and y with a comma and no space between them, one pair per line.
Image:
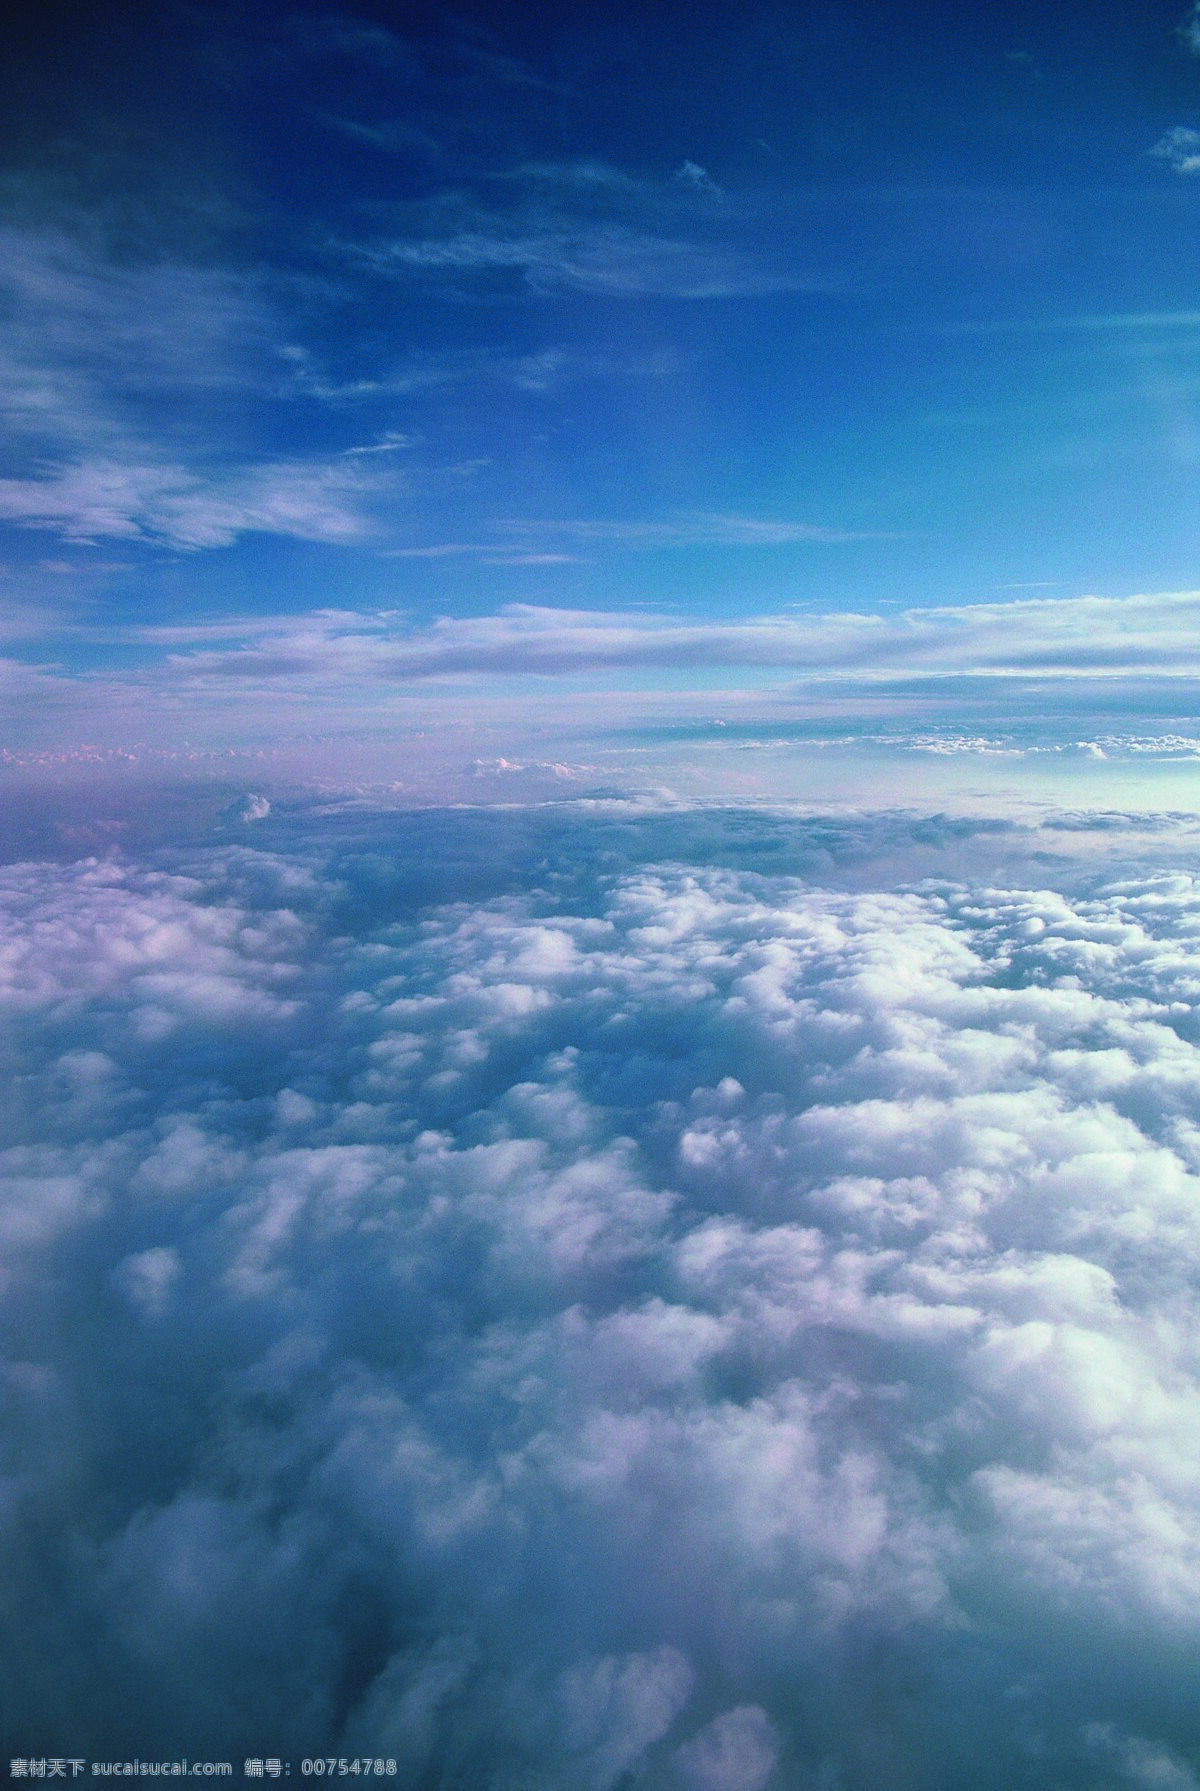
709,1305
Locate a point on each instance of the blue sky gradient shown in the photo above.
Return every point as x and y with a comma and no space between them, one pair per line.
697,326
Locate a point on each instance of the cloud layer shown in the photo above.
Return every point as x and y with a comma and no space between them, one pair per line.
697,1329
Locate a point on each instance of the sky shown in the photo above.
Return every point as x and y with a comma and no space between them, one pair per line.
434,383
600,892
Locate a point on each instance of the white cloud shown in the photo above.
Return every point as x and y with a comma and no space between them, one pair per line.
517,541
1180,147
694,529
634,1334
1138,1763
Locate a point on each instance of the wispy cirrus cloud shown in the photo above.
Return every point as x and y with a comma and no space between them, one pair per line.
183,508
528,540
135,389
1100,322
589,227
696,528
607,260
93,343
123,382
1066,638
553,368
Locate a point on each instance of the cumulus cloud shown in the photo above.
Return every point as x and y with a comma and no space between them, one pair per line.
665,1325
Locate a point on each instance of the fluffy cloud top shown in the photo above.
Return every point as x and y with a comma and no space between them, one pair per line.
717,1332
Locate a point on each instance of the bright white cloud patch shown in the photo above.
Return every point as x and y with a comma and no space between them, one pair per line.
719,1332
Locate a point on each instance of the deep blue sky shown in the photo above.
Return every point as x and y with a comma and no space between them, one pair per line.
695,316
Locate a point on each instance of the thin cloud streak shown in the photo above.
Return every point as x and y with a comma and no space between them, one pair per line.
1080,637
697,528
592,228
1098,322
604,260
